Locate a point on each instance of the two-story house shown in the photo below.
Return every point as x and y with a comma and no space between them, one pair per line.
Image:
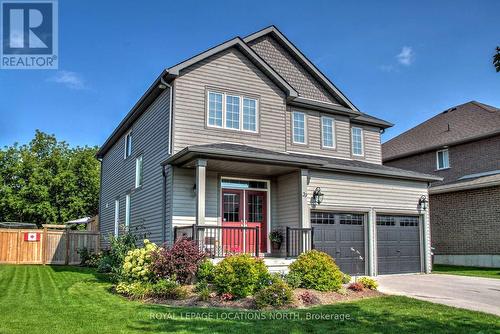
250,137
462,145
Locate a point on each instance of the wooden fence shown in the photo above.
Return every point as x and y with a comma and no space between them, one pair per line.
45,246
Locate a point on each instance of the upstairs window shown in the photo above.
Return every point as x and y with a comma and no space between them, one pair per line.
249,114
128,145
234,112
215,109
443,159
138,172
357,141
327,132
299,127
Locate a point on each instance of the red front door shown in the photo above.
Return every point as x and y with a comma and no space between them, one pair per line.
242,208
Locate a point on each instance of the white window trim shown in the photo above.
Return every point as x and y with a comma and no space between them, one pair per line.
138,179
117,216
362,142
224,109
334,139
127,211
293,128
437,159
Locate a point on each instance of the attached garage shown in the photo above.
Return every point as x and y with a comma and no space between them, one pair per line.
341,235
398,244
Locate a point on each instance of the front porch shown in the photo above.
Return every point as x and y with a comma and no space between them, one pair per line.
231,204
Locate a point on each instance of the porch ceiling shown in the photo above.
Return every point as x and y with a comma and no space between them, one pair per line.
243,168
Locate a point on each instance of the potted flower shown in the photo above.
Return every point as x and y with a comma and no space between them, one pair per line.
276,238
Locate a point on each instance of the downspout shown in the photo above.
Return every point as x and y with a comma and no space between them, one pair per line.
164,84
170,111
164,205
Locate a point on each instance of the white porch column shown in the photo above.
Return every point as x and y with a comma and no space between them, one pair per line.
201,173
305,221
371,242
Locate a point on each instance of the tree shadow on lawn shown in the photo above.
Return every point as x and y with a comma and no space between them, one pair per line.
85,271
379,315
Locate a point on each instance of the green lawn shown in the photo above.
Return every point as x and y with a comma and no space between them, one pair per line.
466,271
45,299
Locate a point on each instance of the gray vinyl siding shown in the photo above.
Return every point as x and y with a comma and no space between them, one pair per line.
346,192
313,140
227,71
287,204
149,139
184,198
372,144
289,68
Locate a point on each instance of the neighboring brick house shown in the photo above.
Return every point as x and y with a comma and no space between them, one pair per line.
462,145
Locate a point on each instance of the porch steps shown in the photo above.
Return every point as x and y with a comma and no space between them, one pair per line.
274,264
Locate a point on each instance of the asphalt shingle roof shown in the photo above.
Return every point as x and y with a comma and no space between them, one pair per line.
343,165
458,124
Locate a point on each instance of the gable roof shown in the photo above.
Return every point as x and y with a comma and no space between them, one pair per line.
274,31
464,123
247,51
171,73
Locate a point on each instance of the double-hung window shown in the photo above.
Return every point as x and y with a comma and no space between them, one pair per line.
138,171
215,109
232,111
117,215
128,144
127,211
299,127
328,132
357,141
443,159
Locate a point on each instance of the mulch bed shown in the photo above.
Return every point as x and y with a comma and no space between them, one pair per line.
248,303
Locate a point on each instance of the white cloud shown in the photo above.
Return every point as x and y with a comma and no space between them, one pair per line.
69,79
406,56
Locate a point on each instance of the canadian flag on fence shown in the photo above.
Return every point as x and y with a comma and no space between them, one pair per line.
31,236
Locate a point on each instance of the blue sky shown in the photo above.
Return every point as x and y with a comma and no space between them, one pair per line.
398,60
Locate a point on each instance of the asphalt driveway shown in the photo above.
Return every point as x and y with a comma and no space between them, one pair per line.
473,293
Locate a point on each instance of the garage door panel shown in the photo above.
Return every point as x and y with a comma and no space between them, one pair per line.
398,244
342,241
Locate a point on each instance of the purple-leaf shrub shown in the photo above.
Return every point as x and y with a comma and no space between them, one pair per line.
180,261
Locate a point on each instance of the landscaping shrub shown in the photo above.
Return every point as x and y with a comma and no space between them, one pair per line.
309,298
277,294
181,260
161,289
342,291
112,260
137,263
225,297
203,290
205,271
356,286
240,275
317,270
88,258
368,283
346,278
293,280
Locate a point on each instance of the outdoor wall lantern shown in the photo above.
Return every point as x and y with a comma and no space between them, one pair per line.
318,196
422,202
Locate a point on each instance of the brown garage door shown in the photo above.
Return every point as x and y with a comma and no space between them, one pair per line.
398,244
341,235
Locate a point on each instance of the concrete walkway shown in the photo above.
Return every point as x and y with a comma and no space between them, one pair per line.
473,293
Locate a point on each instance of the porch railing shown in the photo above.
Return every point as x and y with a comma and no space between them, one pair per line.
221,241
298,240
